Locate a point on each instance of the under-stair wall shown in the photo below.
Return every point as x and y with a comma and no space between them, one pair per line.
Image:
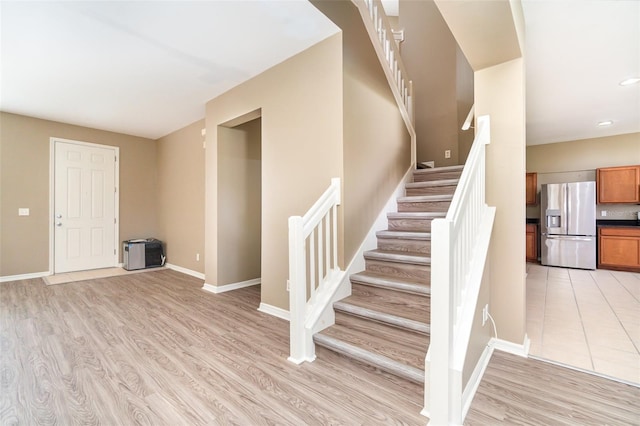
377,145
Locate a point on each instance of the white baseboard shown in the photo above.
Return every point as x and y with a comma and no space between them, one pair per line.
475,379
34,275
228,287
275,311
185,270
510,347
381,223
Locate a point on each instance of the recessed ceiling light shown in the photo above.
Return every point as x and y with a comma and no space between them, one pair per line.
605,123
629,81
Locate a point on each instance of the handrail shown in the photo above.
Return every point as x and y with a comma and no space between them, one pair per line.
467,121
313,265
377,24
460,242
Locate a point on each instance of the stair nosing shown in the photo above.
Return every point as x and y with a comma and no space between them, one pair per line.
390,283
375,360
398,257
405,323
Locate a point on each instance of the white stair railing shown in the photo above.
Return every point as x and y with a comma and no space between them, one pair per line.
313,269
460,242
379,29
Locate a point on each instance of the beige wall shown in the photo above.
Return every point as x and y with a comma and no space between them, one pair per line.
575,161
585,154
499,92
464,102
301,103
181,196
429,53
24,180
239,202
376,142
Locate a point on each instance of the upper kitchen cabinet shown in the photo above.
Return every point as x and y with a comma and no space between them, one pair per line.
618,184
532,189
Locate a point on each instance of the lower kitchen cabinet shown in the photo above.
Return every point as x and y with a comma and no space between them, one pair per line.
619,248
532,243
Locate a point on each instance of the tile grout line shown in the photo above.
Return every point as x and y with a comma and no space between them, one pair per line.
616,313
586,339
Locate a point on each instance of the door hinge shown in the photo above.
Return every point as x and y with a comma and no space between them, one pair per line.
114,220
114,251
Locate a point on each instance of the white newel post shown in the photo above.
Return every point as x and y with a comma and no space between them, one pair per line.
297,290
441,314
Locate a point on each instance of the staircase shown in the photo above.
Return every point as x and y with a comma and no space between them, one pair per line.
385,321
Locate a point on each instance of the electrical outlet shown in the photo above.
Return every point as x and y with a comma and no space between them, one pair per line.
22,211
603,213
288,285
197,257
485,314
447,153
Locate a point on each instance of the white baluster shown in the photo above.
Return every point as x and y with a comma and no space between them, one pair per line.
312,267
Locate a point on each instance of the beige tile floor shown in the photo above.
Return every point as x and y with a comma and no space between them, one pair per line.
585,319
91,275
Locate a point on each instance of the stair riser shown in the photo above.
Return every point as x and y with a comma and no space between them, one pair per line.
404,245
430,177
346,319
423,206
410,225
421,273
431,190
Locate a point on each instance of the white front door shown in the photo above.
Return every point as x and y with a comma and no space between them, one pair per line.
84,206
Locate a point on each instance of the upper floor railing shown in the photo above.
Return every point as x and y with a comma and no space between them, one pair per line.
388,52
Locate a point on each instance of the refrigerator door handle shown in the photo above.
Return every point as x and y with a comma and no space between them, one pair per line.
569,237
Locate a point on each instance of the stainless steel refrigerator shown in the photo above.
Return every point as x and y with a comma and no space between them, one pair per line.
568,224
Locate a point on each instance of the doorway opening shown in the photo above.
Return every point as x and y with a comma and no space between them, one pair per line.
84,204
240,202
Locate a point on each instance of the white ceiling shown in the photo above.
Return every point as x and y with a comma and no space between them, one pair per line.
147,68
144,68
577,53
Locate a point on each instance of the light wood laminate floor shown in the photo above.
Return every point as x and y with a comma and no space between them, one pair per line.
155,349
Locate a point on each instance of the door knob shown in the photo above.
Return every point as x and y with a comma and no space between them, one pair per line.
58,223
59,216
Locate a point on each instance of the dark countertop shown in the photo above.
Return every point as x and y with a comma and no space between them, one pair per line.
533,221
624,223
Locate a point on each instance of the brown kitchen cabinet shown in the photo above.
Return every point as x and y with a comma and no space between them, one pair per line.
531,189
619,248
618,184
532,243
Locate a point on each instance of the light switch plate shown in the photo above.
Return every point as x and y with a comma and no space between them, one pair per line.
23,211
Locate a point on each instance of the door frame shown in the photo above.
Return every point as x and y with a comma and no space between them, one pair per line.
52,199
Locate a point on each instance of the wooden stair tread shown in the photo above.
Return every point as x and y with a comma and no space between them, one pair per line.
430,183
405,310
425,198
400,345
367,357
416,215
390,282
405,235
398,256
439,169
